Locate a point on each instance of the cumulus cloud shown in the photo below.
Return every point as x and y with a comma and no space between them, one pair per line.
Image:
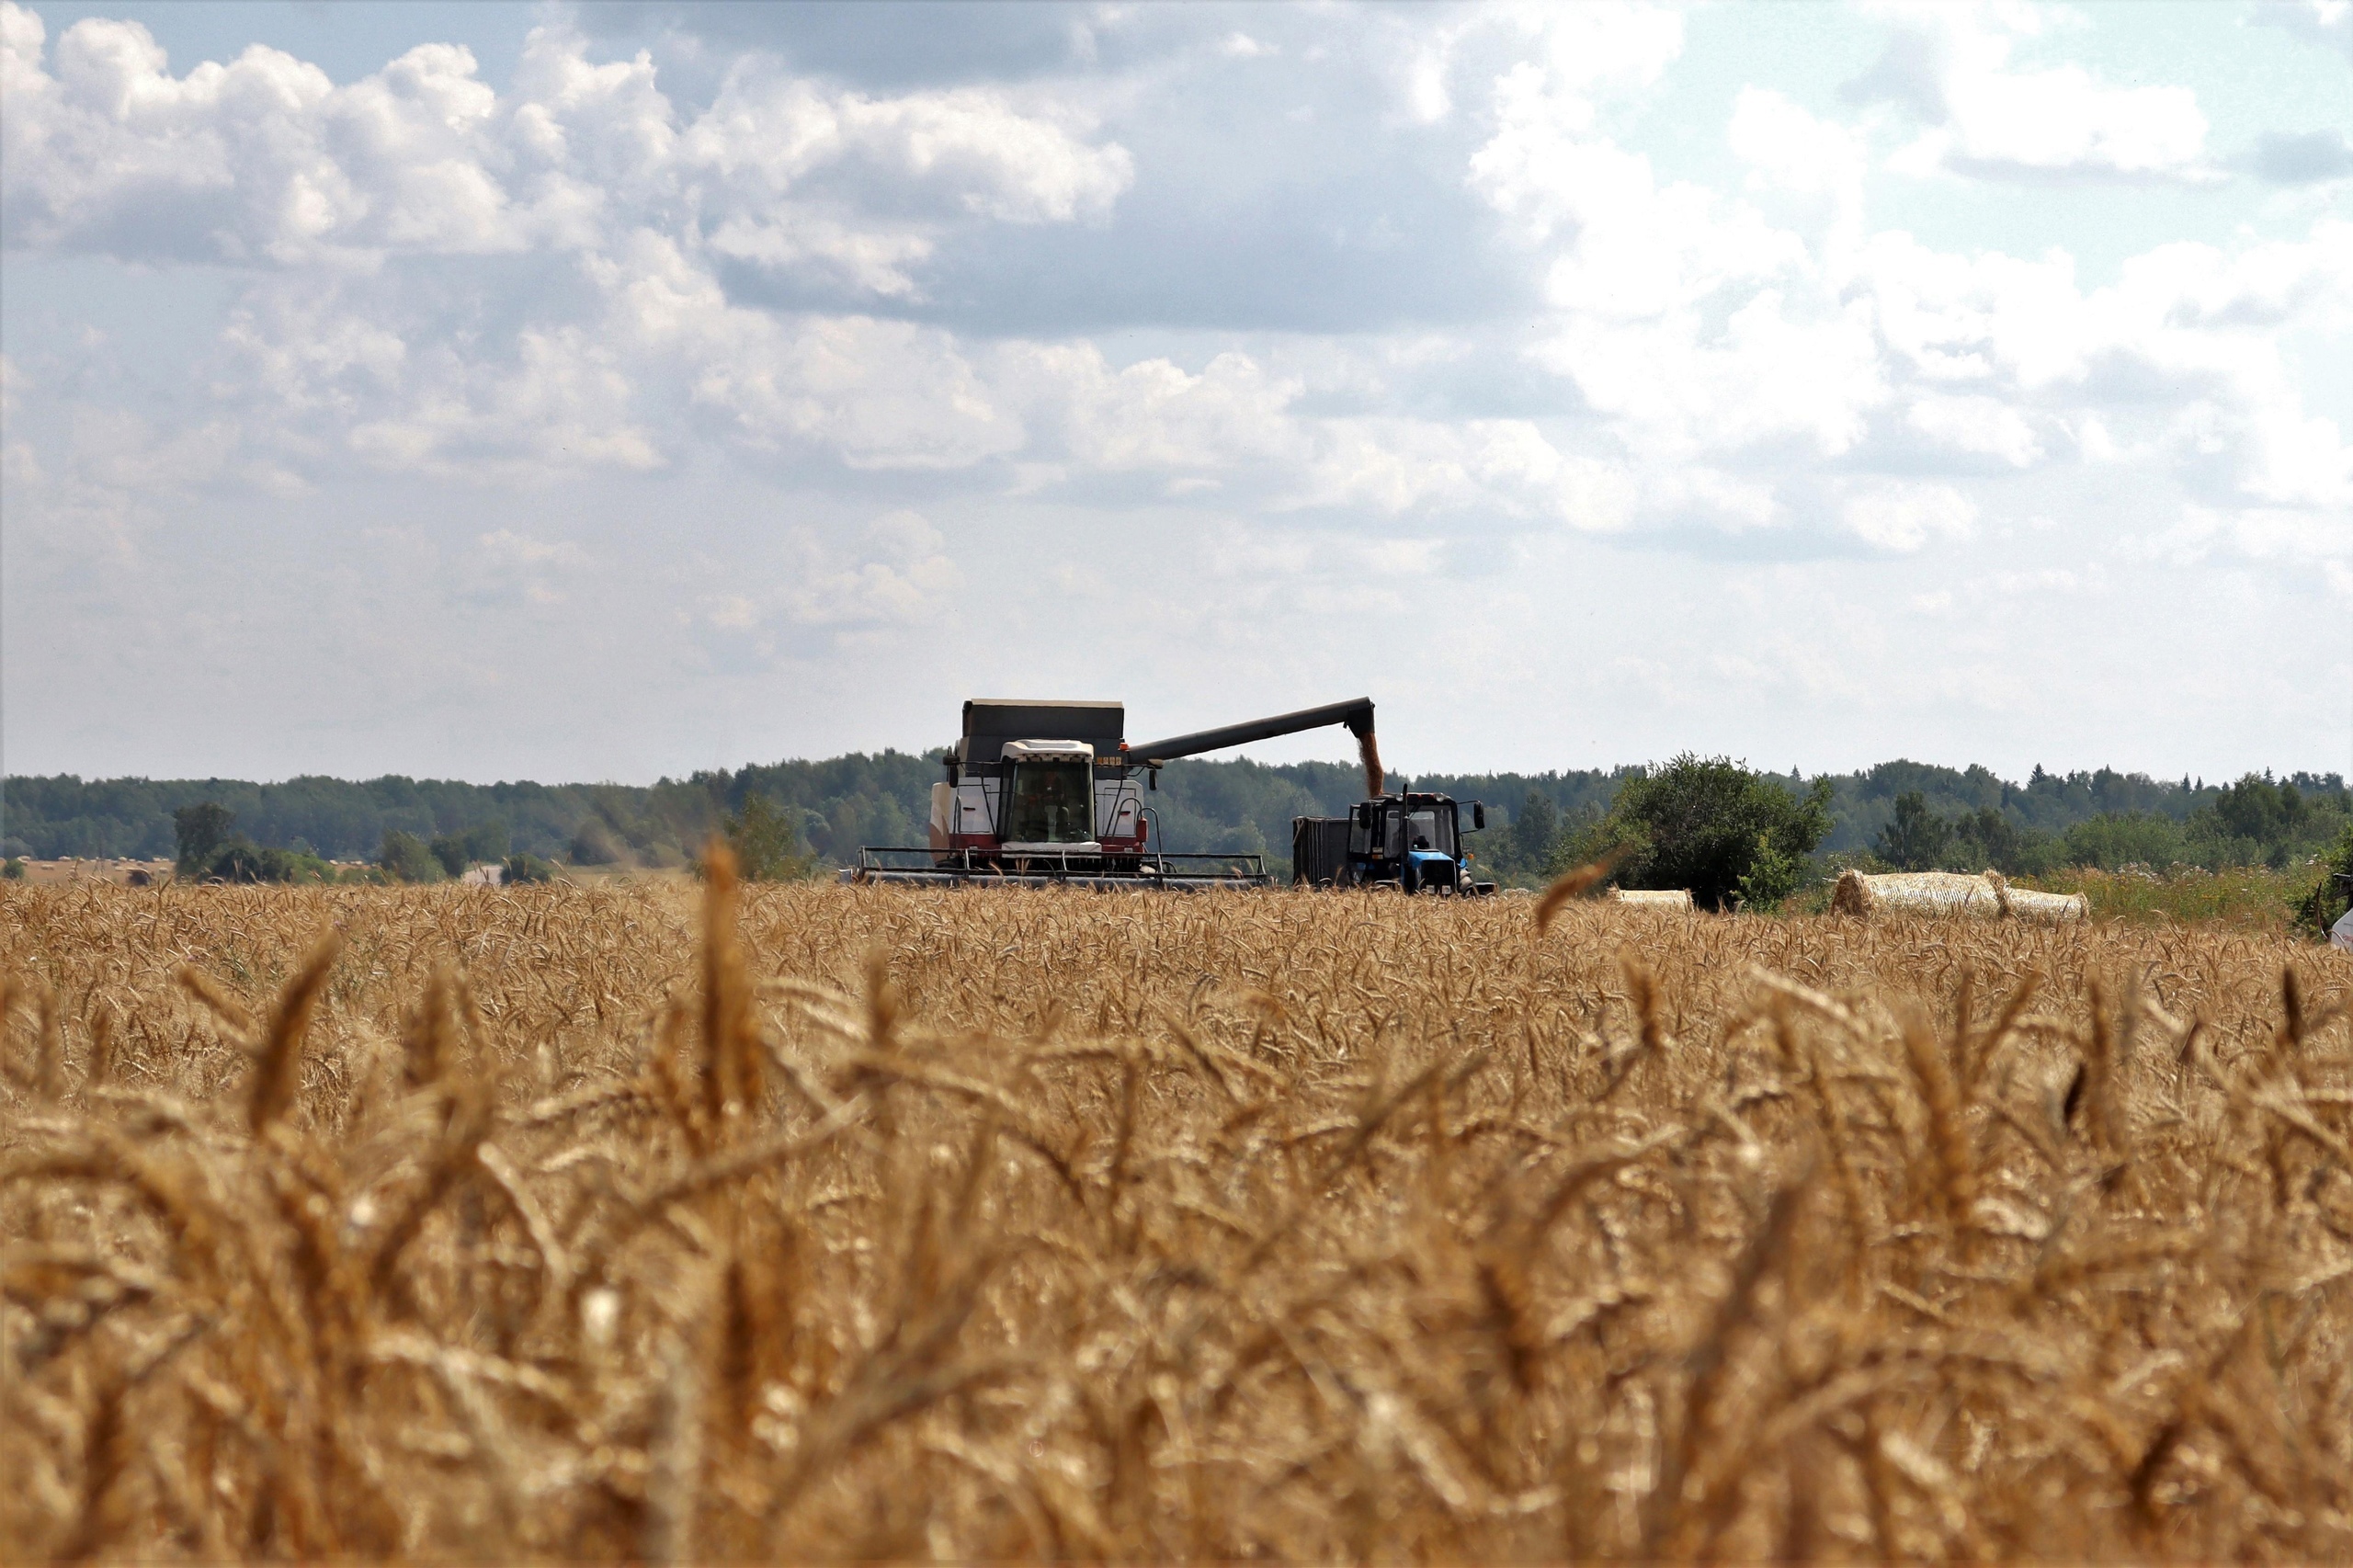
261,160
1987,114
265,160
507,567
1792,152
894,573
2325,23
786,282
2308,157
1713,346
1904,518
1976,424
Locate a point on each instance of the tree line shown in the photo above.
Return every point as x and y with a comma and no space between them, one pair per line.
1898,815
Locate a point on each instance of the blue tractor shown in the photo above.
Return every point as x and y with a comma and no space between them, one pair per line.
1411,842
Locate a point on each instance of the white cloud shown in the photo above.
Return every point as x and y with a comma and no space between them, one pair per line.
261,160
969,149
1905,517
339,369
1791,151
264,161
896,573
524,310
1716,348
507,567
1987,115
2303,539
1981,426
2327,23
882,394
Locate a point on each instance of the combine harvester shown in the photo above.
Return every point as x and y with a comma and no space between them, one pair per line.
1043,794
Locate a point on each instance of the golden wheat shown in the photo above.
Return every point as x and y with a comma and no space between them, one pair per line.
817,1222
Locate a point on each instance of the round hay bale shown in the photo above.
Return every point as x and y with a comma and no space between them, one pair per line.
2041,908
1918,892
1852,896
1986,897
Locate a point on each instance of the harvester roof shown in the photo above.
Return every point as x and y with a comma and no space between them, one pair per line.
990,722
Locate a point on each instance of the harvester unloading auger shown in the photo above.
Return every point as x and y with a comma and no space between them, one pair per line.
1040,793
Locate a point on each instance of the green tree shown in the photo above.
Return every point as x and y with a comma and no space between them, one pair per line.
1707,823
2114,840
407,856
596,844
14,870
1529,841
483,844
201,830
1917,839
2256,808
1772,876
448,851
768,847
242,860
1986,837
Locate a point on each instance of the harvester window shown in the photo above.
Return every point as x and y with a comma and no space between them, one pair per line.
1423,832
1053,802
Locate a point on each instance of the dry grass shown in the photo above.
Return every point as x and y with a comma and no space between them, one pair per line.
586,1222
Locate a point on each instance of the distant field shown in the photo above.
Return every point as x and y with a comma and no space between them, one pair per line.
2250,898
118,870
621,1222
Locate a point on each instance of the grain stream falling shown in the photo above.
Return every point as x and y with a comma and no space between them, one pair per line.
665,1222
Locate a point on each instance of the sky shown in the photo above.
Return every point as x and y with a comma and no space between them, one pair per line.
606,391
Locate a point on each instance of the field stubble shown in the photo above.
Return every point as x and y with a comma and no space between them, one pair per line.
821,1223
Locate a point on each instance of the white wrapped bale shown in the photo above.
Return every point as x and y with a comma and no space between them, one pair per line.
1986,897
1653,898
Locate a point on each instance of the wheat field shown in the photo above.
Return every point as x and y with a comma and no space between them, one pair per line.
814,1223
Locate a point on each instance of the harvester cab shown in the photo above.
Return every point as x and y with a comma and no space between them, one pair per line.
1052,792
1413,842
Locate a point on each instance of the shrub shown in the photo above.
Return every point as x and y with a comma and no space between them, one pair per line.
1772,876
2113,840
14,870
768,847
2332,894
240,860
1711,825
521,867
407,858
